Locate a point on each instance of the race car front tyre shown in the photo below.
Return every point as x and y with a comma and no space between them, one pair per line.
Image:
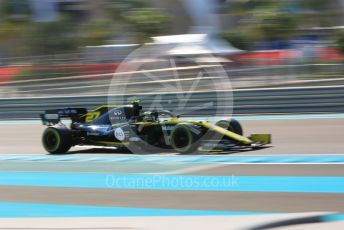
231,125
57,140
184,138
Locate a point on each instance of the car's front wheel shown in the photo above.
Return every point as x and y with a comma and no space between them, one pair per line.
57,140
184,138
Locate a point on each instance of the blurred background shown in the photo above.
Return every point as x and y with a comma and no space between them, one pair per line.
73,47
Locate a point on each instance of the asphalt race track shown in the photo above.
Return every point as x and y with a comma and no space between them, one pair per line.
301,172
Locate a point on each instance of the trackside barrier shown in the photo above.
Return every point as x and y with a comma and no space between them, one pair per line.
328,99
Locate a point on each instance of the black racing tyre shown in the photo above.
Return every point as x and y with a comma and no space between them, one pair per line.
57,140
231,125
184,138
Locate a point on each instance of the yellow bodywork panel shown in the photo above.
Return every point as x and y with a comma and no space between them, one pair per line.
226,133
205,124
91,116
94,114
261,138
111,143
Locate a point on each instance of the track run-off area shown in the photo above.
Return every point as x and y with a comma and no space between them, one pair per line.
298,179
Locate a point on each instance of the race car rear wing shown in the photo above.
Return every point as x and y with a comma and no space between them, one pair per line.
53,117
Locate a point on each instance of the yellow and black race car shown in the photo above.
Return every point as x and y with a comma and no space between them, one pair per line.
128,127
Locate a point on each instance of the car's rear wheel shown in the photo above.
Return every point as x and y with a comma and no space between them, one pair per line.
184,138
57,140
231,125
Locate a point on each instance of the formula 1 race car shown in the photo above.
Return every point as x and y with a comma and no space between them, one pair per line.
128,127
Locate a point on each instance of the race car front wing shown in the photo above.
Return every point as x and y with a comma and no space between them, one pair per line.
257,141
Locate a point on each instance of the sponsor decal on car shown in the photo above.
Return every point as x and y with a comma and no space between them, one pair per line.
119,134
167,127
117,112
134,139
51,116
93,134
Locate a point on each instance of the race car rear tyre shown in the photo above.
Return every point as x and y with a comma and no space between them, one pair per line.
184,138
231,125
57,140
